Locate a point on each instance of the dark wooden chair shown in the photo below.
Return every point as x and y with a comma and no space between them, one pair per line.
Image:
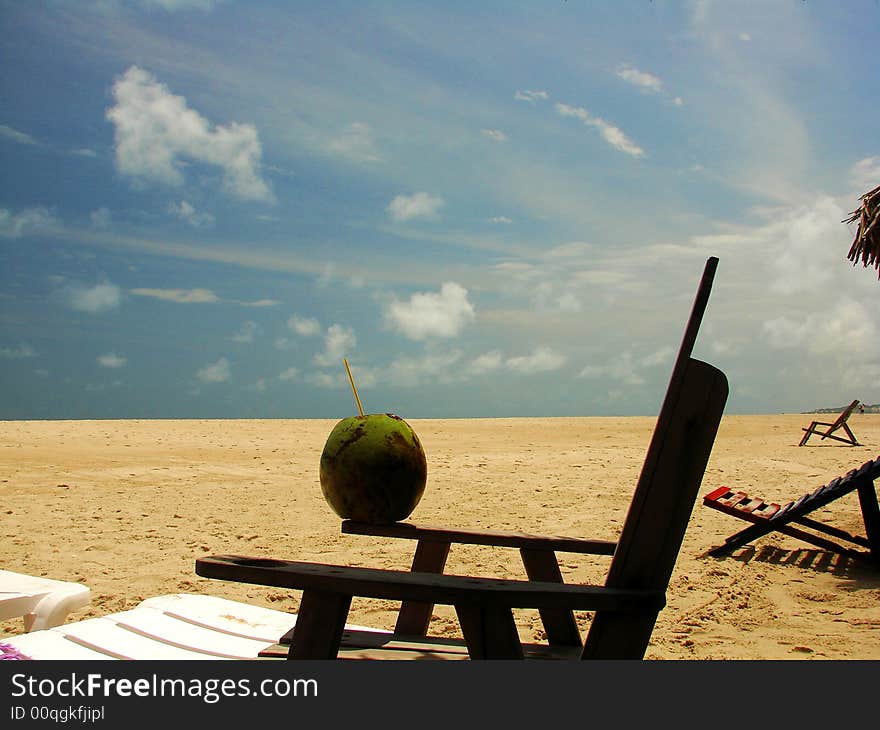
840,423
792,518
626,605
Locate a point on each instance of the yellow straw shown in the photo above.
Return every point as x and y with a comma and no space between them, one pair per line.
353,388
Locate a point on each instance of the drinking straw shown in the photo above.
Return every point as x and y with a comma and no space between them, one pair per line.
353,388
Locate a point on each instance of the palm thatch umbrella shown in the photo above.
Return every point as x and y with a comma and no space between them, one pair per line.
866,245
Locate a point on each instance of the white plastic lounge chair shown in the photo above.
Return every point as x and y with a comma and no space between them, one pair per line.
176,626
42,602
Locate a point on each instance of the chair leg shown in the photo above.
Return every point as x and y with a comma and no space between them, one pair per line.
851,435
319,625
489,631
559,623
414,617
619,636
808,432
871,517
741,538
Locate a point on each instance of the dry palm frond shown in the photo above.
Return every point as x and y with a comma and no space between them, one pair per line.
866,245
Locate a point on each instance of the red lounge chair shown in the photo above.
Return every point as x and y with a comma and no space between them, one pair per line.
791,518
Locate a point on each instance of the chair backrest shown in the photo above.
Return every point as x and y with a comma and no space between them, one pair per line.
666,490
845,414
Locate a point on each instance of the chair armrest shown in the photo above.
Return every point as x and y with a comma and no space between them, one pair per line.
496,538
398,585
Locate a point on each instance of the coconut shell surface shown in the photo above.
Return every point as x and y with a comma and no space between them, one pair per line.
373,469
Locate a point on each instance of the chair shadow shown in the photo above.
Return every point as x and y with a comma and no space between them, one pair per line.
829,446
820,561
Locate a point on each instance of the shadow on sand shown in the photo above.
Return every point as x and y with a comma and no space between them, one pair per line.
865,573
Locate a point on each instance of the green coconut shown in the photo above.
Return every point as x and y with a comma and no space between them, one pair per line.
373,469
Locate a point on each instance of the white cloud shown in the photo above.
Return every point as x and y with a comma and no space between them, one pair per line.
432,314
17,353
784,332
661,357
643,80
83,152
837,347
338,342
500,219
804,237
540,360
330,276
187,213
327,380
531,96
847,327
804,246
486,363
181,296
99,298
289,374
217,372
611,134
156,132
111,360
364,377
175,5
545,295
865,174
568,302
519,270
626,369
28,221
418,205
436,367
16,136
261,303
304,326
572,249
495,134
356,143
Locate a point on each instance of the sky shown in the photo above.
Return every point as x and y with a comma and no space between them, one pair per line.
490,209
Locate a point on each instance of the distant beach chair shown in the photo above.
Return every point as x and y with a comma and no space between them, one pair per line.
840,423
41,602
626,605
771,517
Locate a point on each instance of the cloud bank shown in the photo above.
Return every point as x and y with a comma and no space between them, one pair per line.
157,133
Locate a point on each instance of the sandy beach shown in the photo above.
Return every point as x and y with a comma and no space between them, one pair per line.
127,506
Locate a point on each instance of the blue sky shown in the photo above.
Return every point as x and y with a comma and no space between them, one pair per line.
491,209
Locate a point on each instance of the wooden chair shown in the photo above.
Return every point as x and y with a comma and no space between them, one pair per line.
840,423
626,605
771,517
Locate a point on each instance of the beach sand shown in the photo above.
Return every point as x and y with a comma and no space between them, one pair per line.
127,506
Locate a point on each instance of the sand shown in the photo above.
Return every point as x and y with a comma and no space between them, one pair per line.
127,506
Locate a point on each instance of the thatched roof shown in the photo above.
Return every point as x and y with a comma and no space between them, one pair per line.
866,245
